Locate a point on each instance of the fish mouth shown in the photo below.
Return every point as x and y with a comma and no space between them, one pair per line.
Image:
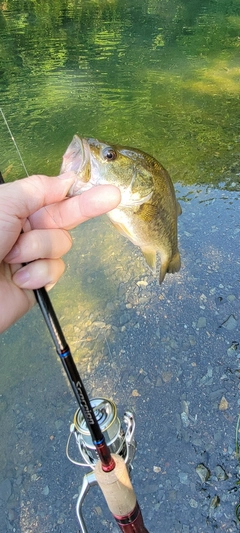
80,158
77,159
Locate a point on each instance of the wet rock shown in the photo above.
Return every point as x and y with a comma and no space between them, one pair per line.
207,379
192,340
231,297
12,515
230,323
201,323
203,472
233,348
223,405
172,495
166,376
159,381
183,476
110,306
135,393
59,424
215,501
5,490
142,283
216,395
121,290
124,319
185,419
193,503
220,473
45,490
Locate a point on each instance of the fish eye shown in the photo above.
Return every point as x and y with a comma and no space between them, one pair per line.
109,154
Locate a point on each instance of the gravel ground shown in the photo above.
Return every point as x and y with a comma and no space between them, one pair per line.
171,354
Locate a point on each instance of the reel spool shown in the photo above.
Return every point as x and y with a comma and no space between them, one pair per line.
119,442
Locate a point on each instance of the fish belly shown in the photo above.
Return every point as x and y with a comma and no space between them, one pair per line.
122,222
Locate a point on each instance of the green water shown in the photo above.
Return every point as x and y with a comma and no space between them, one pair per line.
160,76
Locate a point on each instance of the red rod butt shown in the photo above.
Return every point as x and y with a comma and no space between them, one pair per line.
132,522
120,496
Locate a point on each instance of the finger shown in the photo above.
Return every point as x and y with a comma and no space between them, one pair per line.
74,211
40,244
15,307
39,274
21,198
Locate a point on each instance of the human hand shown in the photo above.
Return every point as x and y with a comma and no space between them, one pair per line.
38,206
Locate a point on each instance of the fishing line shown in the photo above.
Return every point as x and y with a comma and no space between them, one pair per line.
13,140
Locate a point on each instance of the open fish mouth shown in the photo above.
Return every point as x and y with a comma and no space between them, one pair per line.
81,157
77,159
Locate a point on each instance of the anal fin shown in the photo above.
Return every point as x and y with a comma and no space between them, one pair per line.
150,258
170,266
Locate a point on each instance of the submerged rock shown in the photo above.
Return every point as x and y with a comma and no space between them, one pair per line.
220,473
230,323
223,405
215,501
203,472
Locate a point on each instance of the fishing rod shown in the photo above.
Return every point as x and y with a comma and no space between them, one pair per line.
101,440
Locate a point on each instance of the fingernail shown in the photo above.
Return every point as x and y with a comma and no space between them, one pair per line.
15,251
21,277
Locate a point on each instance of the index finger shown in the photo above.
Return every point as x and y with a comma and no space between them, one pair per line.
73,211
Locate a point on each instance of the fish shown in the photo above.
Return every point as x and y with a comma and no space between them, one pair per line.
148,211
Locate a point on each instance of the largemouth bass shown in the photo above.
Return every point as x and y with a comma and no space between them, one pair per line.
147,214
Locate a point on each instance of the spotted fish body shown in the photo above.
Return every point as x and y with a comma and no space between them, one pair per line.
147,214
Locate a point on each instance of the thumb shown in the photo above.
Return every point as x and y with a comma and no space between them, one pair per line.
18,200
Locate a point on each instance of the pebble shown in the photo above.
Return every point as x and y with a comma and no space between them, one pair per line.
159,382
215,501
183,476
45,490
230,323
220,473
193,503
203,472
201,323
135,393
231,298
59,424
166,376
233,348
124,318
12,515
5,490
223,405
185,419
215,395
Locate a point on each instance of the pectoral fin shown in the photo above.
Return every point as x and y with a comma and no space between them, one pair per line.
123,230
